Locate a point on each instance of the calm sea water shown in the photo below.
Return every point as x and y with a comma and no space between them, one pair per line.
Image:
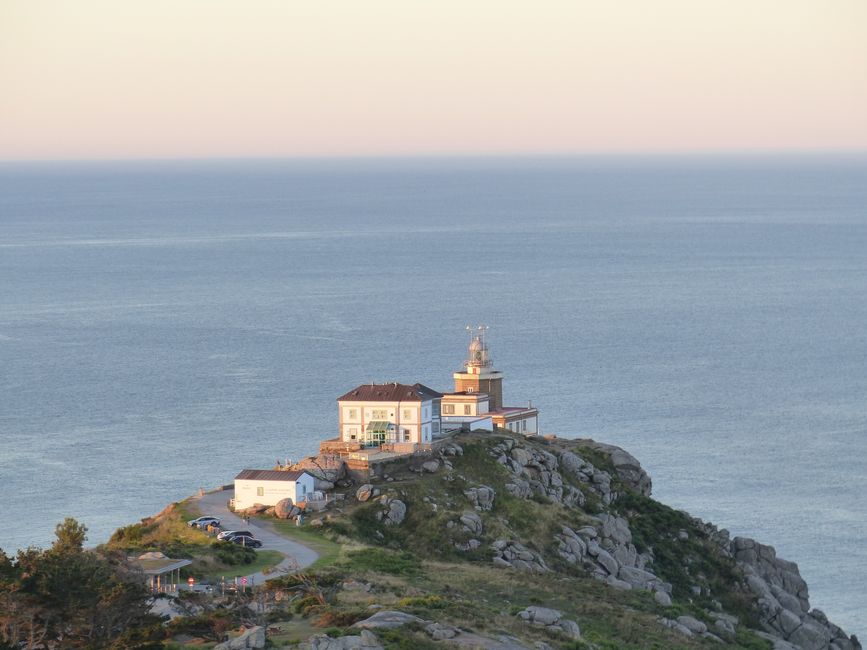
164,325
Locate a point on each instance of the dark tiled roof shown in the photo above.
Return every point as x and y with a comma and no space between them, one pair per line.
389,393
269,475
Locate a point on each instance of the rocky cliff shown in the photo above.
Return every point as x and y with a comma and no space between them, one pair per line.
556,512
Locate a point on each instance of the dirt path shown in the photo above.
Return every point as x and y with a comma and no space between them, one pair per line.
297,555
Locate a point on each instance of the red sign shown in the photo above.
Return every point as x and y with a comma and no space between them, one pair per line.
244,580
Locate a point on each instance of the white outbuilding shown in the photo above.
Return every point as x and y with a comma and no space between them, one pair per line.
268,486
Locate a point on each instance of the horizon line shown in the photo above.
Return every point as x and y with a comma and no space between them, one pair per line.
698,153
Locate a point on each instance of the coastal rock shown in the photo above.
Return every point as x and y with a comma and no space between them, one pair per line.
365,492
431,466
387,619
638,578
540,615
394,512
674,625
251,638
472,522
482,497
452,449
440,632
692,624
519,488
469,545
662,598
511,554
783,599
552,620
365,641
285,509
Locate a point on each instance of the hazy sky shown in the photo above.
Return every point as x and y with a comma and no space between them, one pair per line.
201,78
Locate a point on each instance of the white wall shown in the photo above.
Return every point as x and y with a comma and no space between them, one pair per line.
247,491
418,423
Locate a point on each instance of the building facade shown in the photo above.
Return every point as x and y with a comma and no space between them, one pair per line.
268,487
398,414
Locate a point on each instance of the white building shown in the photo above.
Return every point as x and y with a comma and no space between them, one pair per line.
405,417
268,486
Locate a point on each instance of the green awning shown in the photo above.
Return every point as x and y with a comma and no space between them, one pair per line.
379,426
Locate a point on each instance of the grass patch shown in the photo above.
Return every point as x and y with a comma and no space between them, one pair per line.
382,561
329,551
262,561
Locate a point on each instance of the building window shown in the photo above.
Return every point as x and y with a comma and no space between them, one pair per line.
379,414
260,491
353,414
523,425
436,427
449,409
405,435
407,414
467,409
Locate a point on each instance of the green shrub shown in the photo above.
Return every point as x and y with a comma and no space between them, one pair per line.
234,554
128,536
431,601
377,559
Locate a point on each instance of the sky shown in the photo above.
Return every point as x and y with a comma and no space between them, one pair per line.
108,79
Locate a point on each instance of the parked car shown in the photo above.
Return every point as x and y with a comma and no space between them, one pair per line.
229,533
245,540
203,522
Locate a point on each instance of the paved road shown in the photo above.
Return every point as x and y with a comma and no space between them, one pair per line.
297,555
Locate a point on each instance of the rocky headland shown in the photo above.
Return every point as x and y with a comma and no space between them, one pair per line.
494,541
557,508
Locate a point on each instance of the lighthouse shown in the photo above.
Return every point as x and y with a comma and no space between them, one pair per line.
478,374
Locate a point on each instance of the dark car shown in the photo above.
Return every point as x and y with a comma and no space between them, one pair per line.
244,540
226,534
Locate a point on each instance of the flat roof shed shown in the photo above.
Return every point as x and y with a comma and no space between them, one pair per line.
163,573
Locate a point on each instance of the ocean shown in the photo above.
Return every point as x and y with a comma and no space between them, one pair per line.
165,324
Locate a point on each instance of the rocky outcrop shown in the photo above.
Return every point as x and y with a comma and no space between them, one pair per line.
514,555
627,467
387,619
536,472
606,550
393,513
783,600
472,522
552,620
431,466
364,641
254,637
440,632
482,497
365,492
285,509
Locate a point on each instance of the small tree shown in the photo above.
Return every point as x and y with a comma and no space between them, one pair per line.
70,536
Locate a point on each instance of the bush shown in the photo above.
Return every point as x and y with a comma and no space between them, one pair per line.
431,601
377,559
128,536
235,554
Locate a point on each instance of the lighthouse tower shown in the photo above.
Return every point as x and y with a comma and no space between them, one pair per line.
478,374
